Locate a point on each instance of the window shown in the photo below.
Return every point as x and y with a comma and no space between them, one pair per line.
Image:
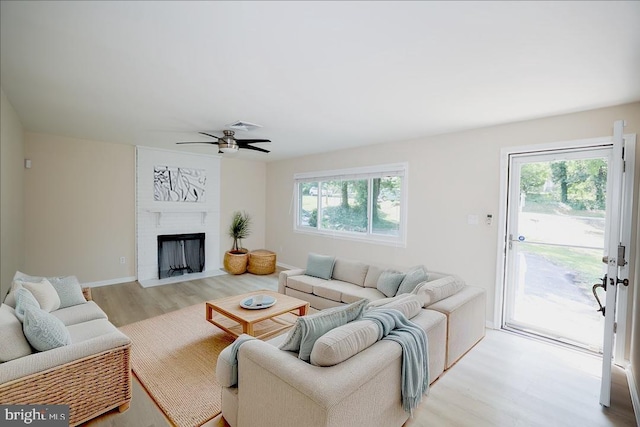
363,203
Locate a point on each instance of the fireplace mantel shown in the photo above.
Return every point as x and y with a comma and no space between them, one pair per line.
184,209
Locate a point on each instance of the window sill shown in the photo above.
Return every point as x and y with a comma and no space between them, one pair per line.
354,237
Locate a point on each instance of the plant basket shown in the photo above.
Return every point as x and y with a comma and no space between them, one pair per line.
235,262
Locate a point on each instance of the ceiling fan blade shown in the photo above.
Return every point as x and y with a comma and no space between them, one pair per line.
208,134
250,141
199,142
251,147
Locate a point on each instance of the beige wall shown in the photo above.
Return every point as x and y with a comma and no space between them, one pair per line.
450,176
243,188
11,194
79,208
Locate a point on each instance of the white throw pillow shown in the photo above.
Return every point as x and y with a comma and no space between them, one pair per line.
10,299
44,292
343,342
373,273
431,292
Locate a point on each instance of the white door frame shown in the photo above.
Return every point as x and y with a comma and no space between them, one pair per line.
630,141
627,224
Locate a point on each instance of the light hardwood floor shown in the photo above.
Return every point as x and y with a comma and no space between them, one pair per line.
505,380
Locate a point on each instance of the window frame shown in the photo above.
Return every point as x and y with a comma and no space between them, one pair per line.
351,174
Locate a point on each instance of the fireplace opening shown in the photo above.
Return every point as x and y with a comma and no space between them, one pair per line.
180,254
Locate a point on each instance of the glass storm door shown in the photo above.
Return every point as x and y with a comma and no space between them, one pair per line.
556,238
567,242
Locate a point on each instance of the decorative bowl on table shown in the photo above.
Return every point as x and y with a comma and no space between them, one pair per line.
256,302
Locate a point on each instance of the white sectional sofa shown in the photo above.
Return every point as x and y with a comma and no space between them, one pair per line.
276,388
353,280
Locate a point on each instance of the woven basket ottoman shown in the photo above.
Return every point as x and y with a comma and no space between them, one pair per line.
261,261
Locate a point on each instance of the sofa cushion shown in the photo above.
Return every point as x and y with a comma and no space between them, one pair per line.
407,304
350,271
331,289
412,278
14,343
320,266
343,342
303,283
383,301
69,290
43,291
373,273
44,331
352,293
80,313
24,300
436,290
389,281
87,330
323,318
313,327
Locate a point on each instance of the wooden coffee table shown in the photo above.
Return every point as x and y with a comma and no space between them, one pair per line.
220,311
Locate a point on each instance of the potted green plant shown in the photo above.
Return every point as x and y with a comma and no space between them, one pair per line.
235,260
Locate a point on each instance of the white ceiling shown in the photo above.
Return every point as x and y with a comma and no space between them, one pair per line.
318,76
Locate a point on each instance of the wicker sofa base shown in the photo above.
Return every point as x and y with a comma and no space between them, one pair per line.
90,386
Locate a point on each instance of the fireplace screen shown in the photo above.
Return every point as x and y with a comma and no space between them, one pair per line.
180,254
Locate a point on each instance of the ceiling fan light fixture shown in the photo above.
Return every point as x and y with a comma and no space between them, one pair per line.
228,145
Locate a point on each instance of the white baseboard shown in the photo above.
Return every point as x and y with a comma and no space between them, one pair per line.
489,324
635,393
286,266
109,282
182,278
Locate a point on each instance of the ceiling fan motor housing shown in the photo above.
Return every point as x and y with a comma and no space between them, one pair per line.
227,143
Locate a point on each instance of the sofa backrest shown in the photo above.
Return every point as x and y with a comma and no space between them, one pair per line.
350,271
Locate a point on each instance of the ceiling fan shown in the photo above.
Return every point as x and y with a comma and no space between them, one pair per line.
229,144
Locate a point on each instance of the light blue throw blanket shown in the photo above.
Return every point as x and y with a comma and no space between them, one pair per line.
233,356
394,326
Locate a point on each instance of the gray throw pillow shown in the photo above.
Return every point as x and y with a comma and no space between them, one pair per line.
295,336
44,331
24,300
412,278
292,343
313,328
69,290
320,266
389,281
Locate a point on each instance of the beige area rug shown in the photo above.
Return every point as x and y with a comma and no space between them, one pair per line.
174,357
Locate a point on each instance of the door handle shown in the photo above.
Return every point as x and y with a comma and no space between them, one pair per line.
602,285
